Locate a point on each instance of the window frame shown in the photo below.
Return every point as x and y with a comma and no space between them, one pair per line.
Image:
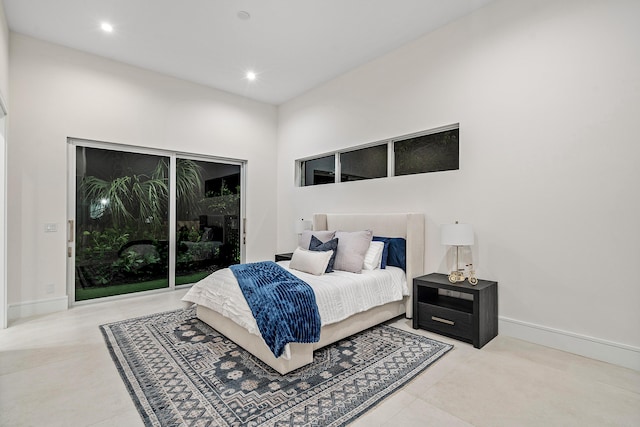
390,143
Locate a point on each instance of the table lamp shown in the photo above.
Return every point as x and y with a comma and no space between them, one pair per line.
458,235
301,225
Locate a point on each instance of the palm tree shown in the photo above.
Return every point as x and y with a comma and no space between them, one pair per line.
143,199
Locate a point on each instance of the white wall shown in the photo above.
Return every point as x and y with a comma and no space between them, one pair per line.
60,93
547,95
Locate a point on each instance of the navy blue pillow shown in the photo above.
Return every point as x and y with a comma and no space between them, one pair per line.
396,253
332,245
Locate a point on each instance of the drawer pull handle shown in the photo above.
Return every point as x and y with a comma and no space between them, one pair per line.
441,320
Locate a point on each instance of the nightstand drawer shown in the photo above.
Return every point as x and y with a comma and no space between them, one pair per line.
445,320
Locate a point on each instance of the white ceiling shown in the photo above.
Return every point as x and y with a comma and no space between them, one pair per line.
293,45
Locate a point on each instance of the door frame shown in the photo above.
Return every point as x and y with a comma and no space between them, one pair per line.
72,143
3,215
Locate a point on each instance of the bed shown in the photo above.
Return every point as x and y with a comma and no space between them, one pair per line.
409,226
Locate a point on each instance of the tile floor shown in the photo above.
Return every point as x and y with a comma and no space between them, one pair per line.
55,370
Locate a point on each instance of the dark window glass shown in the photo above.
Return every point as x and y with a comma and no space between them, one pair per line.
122,202
366,163
319,171
428,153
207,212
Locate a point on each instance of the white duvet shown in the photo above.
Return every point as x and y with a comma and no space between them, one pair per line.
338,294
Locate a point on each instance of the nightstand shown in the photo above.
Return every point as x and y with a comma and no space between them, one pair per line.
473,319
284,257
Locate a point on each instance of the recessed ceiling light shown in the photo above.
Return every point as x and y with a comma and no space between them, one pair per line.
106,27
251,76
244,15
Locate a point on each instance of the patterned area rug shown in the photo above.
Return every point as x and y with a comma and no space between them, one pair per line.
181,372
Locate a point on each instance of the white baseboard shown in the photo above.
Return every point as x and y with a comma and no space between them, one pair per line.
36,308
594,348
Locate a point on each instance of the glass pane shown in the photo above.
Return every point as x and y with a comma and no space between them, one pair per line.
428,153
319,171
121,222
208,218
366,163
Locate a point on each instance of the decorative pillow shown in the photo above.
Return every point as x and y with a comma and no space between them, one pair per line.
331,245
396,251
385,251
311,262
305,237
351,250
373,257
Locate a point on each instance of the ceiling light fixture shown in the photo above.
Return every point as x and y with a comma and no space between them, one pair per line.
244,15
251,76
106,27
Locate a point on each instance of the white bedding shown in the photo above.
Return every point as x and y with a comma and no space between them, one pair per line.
339,294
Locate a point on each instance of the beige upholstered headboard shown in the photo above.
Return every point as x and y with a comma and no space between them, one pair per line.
407,225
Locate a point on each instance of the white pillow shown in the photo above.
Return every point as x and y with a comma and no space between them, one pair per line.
373,257
312,262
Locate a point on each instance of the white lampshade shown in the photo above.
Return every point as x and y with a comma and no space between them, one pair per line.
456,234
301,225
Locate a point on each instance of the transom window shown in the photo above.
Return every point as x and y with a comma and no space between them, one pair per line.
321,170
434,150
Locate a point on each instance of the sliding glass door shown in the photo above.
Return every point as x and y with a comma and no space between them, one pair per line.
146,220
121,224
208,218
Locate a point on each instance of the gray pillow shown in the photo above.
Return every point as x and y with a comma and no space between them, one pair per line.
305,238
352,247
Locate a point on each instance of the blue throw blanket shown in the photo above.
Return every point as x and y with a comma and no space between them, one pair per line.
284,306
